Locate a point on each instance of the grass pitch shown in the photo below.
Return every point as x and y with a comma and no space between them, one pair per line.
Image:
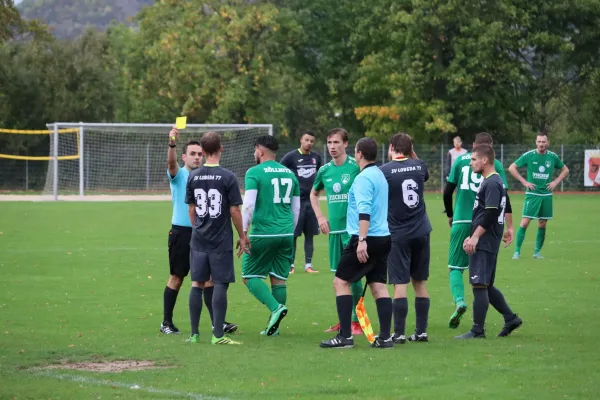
84,281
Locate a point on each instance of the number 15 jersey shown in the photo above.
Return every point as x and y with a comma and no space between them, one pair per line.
275,186
468,183
407,216
212,190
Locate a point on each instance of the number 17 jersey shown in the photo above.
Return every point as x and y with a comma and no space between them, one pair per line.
275,186
468,183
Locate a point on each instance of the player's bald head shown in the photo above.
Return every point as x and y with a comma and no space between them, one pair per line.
210,143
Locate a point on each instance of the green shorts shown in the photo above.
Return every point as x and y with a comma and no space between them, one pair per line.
457,258
537,207
268,256
337,242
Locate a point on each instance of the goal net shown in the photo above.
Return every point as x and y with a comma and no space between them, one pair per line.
24,158
131,159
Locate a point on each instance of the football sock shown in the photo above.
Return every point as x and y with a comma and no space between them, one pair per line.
344,309
498,301
539,239
208,302
169,300
481,303
520,237
384,311
422,313
309,248
261,291
400,313
219,303
357,289
280,293
195,308
457,286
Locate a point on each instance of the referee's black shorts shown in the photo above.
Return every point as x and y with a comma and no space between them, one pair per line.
179,250
375,269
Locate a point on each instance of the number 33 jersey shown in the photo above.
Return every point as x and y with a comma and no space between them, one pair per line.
212,189
407,216
467,183
275,187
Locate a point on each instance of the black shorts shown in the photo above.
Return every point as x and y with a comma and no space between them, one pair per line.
409,259
307,221
350,269
482,268
179,250
215,266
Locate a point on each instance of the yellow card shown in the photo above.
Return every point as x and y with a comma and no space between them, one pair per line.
180,122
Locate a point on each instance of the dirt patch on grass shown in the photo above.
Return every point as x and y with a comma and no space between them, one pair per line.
109,366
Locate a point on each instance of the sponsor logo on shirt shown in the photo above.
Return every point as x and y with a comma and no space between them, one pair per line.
542,169
337,187
338,198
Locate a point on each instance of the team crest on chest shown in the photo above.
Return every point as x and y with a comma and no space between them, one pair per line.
548,164
345,178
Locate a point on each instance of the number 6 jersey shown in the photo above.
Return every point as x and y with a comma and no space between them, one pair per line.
467,184
407,216
212,190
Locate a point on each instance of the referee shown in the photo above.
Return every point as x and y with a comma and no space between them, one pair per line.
181,231
367,251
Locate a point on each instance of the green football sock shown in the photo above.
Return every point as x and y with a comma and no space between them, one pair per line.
539,239
520,237
357,289
261,291
457,286
280,293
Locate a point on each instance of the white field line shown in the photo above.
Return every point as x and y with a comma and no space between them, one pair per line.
124,385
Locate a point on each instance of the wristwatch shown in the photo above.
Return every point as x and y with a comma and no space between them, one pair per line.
172,145
362,238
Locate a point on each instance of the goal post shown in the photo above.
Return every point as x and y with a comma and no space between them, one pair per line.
131,159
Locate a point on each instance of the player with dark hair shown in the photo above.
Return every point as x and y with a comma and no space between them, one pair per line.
336,178
466,182
483,244
409,225
213,198
181,230
367,251
539,185
305,163
271,205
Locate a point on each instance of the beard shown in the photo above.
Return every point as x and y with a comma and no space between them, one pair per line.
257,160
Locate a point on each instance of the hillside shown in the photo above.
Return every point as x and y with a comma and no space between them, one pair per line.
68,18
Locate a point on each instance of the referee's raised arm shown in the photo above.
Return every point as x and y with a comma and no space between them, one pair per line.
172,164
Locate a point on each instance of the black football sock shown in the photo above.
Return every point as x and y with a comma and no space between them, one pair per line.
498,301
219,303
208,302
384,311
422,314
481,303
400,313
309,248
344,309
169,300
195,308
